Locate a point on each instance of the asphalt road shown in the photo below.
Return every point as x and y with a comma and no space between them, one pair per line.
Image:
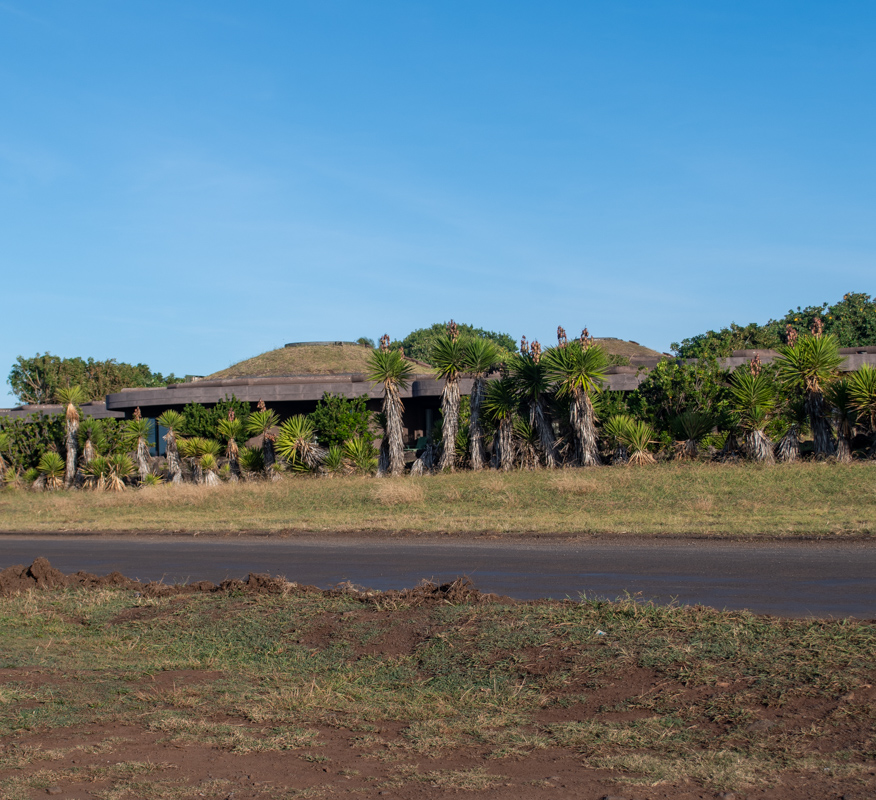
785,578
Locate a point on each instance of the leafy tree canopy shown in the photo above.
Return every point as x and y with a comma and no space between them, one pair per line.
852,320
38,379
419,343
339,418
204,422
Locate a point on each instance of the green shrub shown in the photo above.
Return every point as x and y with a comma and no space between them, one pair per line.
338,418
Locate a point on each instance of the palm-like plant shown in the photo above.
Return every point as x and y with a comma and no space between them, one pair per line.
209,465
96,473
753,401
360,452
796,422
812,365
615,430
52,469
689,428
390,368
173,421
251,461
119,468
334,462
92,439
231,430
481,356
862,388
500,405
137,437
4,448
639,437
526,443
449,359
578,370
261,423
72,397
297,443
845,418
530,379
194,449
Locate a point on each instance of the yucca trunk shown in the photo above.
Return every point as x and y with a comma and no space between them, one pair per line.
268,452
450,424
788,448
197,473
758,447
142,459
393,442
820,424
503,446
475,426
425,462
583,422
547,442
88,452
174,467
72,449
686,449
232,452
731,446
843,447
211,478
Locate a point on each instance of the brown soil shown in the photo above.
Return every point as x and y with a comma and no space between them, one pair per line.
346,765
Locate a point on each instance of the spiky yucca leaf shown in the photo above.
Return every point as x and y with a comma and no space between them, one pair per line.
334,461
10,478
251,460
753,399
96,473
120,468
616,429
52,467
138,431
297,443
812,364
260,423
845,417
639,437
152,480
71,396
92,438
692,425
862,391
361,453
197,446
389,367
172,420
481,355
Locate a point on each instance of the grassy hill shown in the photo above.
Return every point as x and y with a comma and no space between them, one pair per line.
330,359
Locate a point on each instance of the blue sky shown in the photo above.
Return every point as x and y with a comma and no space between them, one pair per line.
191,183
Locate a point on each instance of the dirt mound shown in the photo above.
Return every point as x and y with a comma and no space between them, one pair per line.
42,575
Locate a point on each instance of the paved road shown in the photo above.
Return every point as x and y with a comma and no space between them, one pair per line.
787,578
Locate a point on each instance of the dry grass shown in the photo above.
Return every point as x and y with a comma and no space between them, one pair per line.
677,499
316,360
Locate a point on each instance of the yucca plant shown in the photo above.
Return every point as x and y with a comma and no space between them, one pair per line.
812,365
173,421
209,466
615,431
526,443
500,405
862,389
297,443
689,429
92,439
194,449
530,380
71,397
96,473
4,449
52,468
360,452
753,402
334,462
481,356
11,479
845,418
152,480
251,462
640,435
137,437
390,368
231,429
30,476
120,468
261,423
578,371
449,358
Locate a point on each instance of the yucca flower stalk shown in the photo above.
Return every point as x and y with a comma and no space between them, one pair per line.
862,389
689,428
52,468
500,405
449,359
845,418
481,356
753,400
297,443
261,423
578,373
529,377
137,433
72,397
812,365
390,368
231,429
173,421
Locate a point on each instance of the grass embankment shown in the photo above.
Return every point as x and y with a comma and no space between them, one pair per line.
710,500
127,696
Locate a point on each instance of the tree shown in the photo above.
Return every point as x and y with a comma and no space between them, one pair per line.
231,429
481,356
579,368
449,359
261,423
500,405
297,443
92,439
71,397
38,379
390,368
173,421
338,418
845,418
862,388
137,433
753,404
419,343
530,380
811,365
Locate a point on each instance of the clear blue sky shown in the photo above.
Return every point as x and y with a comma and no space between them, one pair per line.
191,183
